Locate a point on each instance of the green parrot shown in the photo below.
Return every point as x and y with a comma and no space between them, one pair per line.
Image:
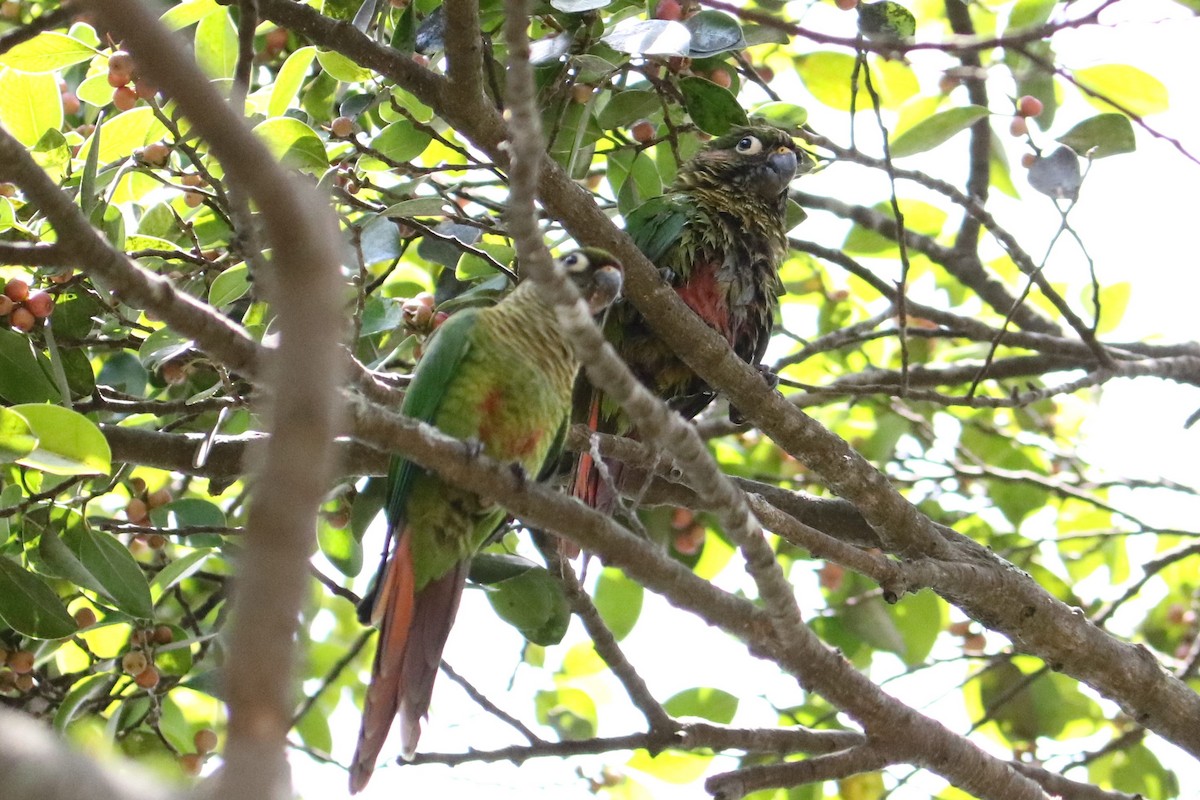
498,376
718,238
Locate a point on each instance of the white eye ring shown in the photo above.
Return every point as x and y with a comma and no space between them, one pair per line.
749,146
574,262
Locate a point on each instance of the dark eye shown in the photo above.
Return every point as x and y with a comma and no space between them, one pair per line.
749,146
573,262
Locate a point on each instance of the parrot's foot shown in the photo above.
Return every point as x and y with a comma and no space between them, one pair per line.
768,375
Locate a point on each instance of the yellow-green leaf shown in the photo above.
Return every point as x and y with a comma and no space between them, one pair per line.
217,44
1130,88
47,52
288,81
294,144
16,437
68,442
30,104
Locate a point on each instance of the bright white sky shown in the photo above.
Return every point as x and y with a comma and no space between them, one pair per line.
1137,216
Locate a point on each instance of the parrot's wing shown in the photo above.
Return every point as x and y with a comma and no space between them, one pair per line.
657,224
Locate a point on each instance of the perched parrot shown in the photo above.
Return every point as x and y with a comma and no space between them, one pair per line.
499,376
718,238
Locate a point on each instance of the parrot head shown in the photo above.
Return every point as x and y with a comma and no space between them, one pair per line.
750,161
596,274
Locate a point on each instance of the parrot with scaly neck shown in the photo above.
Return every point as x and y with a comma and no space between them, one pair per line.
500,377
718,238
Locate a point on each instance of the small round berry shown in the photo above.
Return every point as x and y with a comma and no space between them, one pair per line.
721,78
642,131
191,763
193,199
1028,160
10,9
155,154
121,62
124,98
85,617
205,740
581,93
70,103
6,305
159,498
847,5
156,541
138,546
438,318
24,683
40,304
22,319
342,127
669,10
147,678
163,634
17,290
21,662
7,189
137,486
144,89
947,84
275,40
191,179
1018,127
137,510
1029,106
134,662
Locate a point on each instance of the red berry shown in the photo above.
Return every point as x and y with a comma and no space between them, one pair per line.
21,319
581,93
1028,160
159,498
40,304
147,678
6,304
438,318
70,102
156,541
17,290
120,64
144,89
1029,106
85,617
847,5
21,662
163,634
137,486
830,576
7,190
24,683
275,40
205,740
191,763
136,511
124,98
191,179
669,10
193,199
642,131
342,127
1018,127
721,78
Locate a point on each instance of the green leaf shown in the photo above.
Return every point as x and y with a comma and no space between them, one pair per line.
619,601
788,116
571,712
217,44
123,134
341,67
402,141
713,108
30,104
826,75
1114,299
672,766
713,32
17,439
341,548
161,346
81,691
533,603
1029,14
705,702
628,107
869,620
116,572
649,37
294,144
22,379
229,286
29,606
176,571
188,13
1135,91
289,80
47,52
1100,136
68,442
886,21
935,130
471,266
920,618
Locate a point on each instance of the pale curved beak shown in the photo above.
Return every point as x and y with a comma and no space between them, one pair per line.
606,288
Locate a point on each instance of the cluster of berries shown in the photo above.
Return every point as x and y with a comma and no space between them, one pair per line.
122,72
24,307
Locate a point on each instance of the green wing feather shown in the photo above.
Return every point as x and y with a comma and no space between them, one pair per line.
447,349
656,225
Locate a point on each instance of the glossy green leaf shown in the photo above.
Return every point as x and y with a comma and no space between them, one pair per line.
672,766
1133,90
162,346
177,570
827,76
1029,14
707,703
115,571
713,108
619,601
788,116
533,603
22,379
571,712
232,284
30,104
471,266
17,439
341,548
68,442
1114,299
294,144
46,52
125,133
649,37
340,67
886,21
713,32
628,107
289,79
81,691
217,44
29,606
1100,136
188,13
402,141
936,130
919,618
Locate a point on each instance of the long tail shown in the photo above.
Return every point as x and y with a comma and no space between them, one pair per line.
413,628
590,483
